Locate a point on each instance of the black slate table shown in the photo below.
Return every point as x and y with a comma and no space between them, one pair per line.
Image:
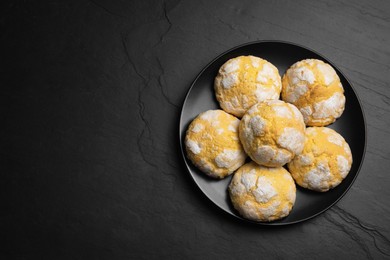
91,93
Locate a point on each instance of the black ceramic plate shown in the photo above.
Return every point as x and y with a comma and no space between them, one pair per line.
351,125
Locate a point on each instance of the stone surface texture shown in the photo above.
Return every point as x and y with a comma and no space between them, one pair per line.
91,94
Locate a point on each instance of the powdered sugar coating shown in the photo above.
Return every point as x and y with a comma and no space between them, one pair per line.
264,92
249,210
317,178
282,111
245,80
210,115
272,132
238,189
314,87
231,66
233,126
268,212
343,165
264,190
332,106
257,125
262,194
282,157
193,146
294,95
292,140
230,80
335,139
325,161
268,72
301,74
212,143
197,128
306,112
228,158
264,154
305,159
249,179
327,72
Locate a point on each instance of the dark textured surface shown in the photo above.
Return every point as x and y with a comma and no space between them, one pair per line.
201,97
90,103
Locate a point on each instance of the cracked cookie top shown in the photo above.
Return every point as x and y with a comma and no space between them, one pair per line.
315,88
325,161
213,145
262,194
272,132
244,81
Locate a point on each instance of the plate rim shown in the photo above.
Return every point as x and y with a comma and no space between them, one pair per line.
272,223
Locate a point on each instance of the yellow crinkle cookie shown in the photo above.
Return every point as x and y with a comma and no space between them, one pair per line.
272,132
262,194
325,161
314,87
213,145
244,81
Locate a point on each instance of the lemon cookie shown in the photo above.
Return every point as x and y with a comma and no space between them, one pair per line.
213,145
262,194
244,81
325,161
315,88
272,132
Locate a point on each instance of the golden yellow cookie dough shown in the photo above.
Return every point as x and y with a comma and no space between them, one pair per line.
272,132
325,161
244,81
315,88
262,194
212,143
